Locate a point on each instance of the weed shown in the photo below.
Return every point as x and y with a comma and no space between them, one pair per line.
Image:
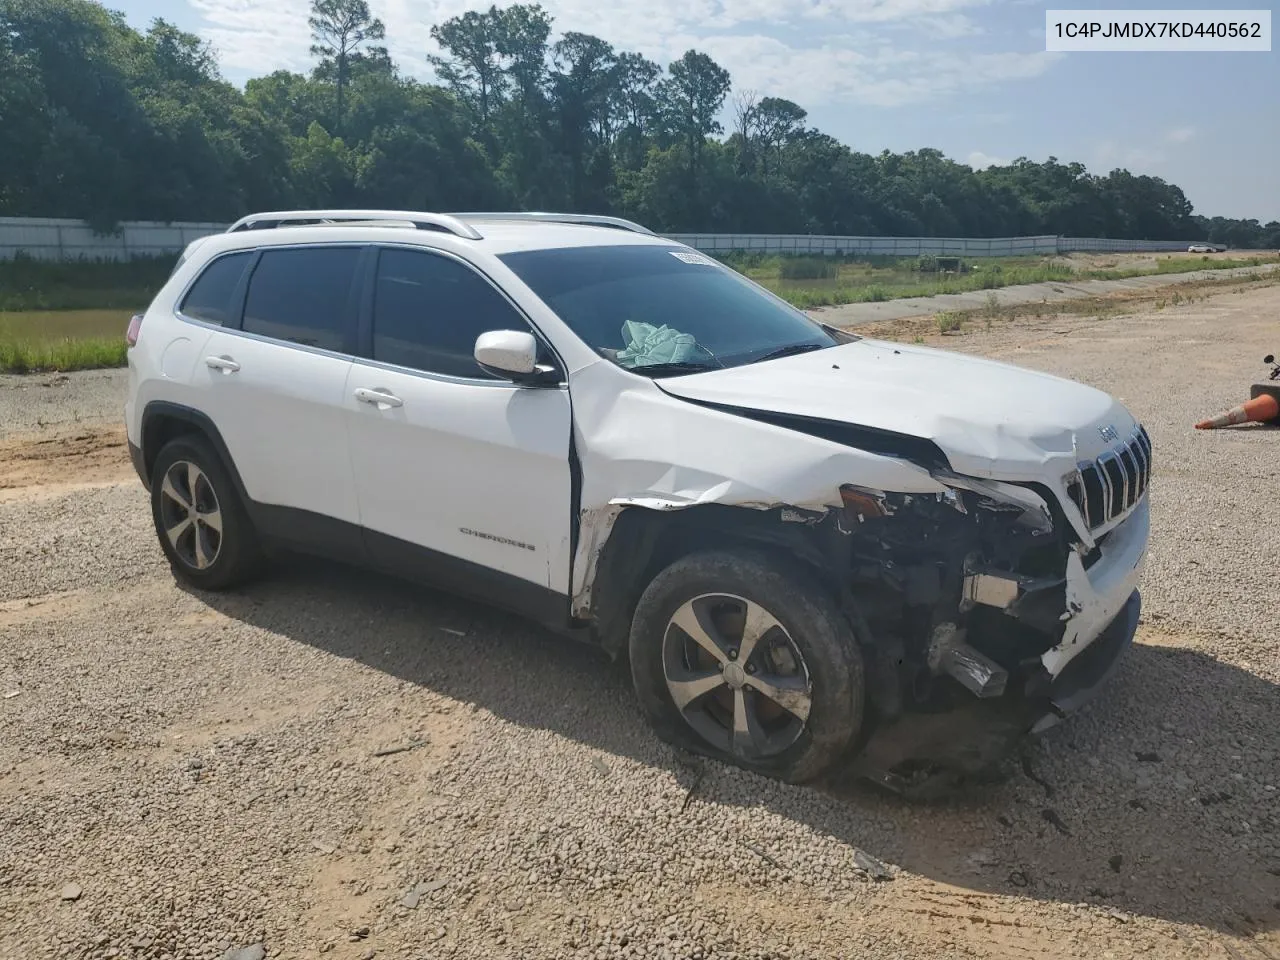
808,268
949,321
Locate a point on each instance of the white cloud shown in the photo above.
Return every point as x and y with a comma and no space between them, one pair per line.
884,76
952,27
257,36
893,53
1180,134
980,161
1111,155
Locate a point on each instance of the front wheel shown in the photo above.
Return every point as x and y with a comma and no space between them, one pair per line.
734,656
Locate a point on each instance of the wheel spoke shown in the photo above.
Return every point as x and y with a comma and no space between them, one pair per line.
790,693
685,692
175,532
193,478
170,491
202,554
748,739
757,623
212,520
701,631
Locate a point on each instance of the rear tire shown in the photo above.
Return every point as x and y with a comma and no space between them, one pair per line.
736,657
199,518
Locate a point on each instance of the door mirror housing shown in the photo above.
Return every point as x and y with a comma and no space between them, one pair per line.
513,355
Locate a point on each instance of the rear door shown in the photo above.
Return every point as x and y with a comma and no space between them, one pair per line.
455,468
275,389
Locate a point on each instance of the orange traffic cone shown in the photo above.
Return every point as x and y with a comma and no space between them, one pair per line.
1258,410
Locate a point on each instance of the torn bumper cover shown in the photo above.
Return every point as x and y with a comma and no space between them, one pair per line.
1091,608
1096,595
1087,673
1103,606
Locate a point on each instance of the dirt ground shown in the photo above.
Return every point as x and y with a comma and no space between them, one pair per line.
332,764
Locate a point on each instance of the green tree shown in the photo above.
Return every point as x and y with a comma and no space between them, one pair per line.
633,106
582,92
340,28
117,123
472,67
690,100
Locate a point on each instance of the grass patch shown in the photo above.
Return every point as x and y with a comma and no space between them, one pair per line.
62,340
811,281
25,356
808,268
28,284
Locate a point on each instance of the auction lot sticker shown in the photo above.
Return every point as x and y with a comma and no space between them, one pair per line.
1174,31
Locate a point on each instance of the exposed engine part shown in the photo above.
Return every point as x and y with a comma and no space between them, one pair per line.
994,591
996,495
978,673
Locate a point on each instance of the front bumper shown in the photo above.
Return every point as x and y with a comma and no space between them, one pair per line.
925,755
1087,673
1096,596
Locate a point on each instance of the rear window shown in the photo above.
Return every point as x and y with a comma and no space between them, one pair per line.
210,297
301,295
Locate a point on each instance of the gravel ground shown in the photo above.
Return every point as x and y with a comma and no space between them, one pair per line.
329,764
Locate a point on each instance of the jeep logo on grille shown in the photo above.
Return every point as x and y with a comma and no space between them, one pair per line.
1109,433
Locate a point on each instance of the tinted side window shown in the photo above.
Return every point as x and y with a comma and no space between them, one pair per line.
301,295
428,311
210,297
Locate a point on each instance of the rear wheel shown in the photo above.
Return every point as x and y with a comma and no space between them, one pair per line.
201,524
734,656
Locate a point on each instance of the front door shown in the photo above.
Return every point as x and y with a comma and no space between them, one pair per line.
456,470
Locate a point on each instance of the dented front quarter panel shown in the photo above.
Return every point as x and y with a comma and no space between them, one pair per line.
641,448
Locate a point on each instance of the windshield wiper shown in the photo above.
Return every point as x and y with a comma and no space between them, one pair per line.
790,351
673,367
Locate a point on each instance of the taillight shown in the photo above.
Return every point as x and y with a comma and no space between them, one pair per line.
134,328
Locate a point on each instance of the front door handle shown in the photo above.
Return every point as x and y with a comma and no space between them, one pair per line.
223,363
380,398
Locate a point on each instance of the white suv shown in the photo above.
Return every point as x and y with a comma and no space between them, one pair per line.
799,536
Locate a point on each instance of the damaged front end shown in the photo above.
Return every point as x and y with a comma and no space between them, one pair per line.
982,595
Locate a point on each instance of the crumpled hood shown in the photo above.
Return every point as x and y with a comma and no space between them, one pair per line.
991,419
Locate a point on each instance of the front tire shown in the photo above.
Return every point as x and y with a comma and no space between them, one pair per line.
199,519
734,656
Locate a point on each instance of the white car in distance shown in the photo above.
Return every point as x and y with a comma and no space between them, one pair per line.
798,536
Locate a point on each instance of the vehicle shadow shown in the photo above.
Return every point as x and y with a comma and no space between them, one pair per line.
1138,804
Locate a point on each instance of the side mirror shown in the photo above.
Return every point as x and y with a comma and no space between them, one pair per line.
513,355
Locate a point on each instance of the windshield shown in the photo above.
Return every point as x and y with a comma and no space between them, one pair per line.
663,311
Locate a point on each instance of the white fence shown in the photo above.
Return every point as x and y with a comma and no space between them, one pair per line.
920,246
870,246
49,239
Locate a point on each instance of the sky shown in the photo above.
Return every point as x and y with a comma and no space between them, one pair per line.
968,77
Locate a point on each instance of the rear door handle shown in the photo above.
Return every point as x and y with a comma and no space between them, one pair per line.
382,399
223,363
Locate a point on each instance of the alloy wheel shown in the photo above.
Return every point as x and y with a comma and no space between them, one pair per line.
190,515
736,675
